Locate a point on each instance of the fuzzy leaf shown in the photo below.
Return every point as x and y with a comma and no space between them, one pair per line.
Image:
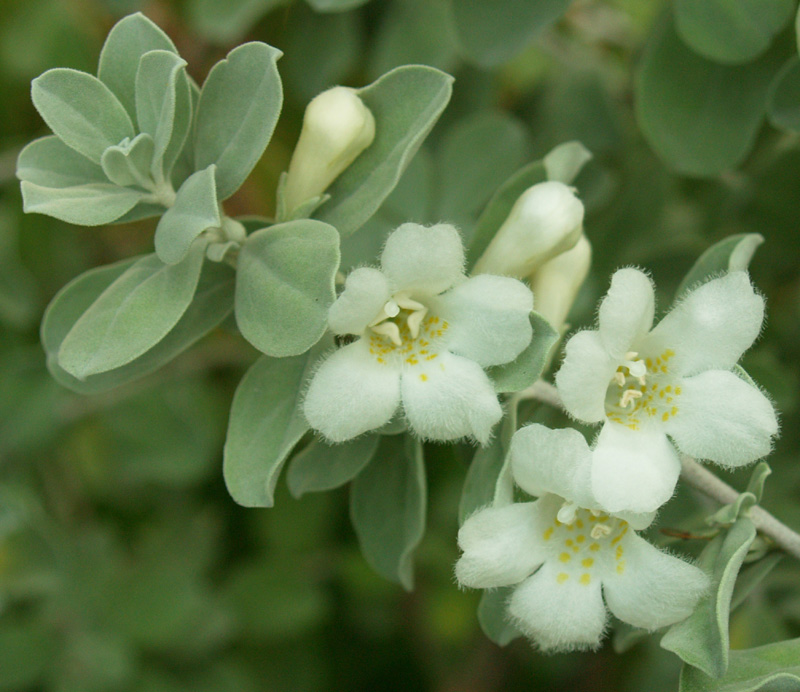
239,105
285,285
406,103
92,204
132,315
388,506
49,162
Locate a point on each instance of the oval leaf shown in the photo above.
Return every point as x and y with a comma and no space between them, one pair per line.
285,285
265,425
81,111
132,315
129,39
699,116
49,162
239,106
93,204
195,210
324,467
387,507
731,31
406,103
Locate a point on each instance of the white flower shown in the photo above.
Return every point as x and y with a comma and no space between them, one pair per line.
566,557
337,127
545,221
674,380
426,332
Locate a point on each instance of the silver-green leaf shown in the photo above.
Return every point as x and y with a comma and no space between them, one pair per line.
49,162
526,368
93,204
285,285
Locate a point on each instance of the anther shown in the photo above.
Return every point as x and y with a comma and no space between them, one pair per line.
628,396
600,531
566,515
389,329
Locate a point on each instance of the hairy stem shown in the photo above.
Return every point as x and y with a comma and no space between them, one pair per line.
699,478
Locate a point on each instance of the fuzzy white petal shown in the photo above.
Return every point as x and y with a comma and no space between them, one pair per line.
633,470
501,546
653,589
366,291
712,326
488,318
559,616
423,260
448,398
723,418
585,376
351,393
626,313
552,461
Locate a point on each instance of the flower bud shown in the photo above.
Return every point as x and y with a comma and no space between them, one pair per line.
546,220
557,282
337,127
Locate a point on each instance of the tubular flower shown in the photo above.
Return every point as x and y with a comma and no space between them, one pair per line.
674,380
425,333
569,560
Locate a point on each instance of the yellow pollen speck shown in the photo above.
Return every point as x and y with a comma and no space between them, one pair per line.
568,542
431,357
619,552
677,390
564,557
579,524
570,527
674,410
648,362
423,377
661,394
580,539
594,547
665,417
621,567
548,533
668,388
654,387
587,562
586,579
412,361
663,368
562,577
381,361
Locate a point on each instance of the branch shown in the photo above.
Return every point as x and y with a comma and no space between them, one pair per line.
699,478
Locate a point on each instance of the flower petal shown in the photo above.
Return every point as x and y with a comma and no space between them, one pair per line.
488,318
626,313
423,260
633,470
651,589
723,418
557,611
448,398
366,291
552,461
712,326
501,546
584,377
351,393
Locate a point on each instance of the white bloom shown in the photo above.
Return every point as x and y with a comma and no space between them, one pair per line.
546,220
566,557
337,127
674,380
426,333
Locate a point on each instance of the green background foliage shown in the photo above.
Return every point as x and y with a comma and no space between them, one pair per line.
124,562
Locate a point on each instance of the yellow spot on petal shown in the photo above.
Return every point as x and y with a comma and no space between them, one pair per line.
621,567
547,534
619,552
594,547
587,562
579,524
586,579
569,542
668,388
564,557
677,390
674,410
423,377
562,577
580,539
381,361
665,417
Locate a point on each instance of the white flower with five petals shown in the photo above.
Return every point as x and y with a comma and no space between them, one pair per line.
568,560
425,332
675,380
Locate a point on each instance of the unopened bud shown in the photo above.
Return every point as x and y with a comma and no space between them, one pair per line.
557,282
546,220
337,127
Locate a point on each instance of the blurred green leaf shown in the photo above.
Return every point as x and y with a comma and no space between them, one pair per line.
324,467
493,616
702,640
731,31
481,478
26,652
405,103
285,285
335,5
195,210
129,39
19,303
265,425
388,507
772,667
526,368
491,32
227,22
132,315
129,163
239,105
783,105
700,117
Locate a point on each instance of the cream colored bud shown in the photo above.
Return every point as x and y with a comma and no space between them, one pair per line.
337,127
557,282
546,220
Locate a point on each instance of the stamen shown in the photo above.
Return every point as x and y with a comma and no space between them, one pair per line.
389,329
628,397
619,378
566,515
415,320
600,531
635,366
403,300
